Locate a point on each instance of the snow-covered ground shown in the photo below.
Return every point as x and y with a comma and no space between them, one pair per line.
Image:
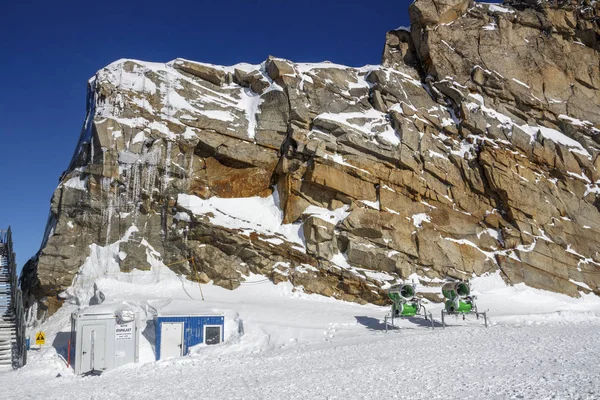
298,346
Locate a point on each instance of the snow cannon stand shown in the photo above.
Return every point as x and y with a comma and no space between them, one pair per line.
458,301
405,304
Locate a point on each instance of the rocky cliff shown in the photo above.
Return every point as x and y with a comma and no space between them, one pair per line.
472,148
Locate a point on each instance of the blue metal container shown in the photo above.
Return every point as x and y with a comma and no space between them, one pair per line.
175,334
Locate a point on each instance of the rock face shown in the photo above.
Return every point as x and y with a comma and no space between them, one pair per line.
472,148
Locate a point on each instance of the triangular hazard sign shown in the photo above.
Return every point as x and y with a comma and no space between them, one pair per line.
40,336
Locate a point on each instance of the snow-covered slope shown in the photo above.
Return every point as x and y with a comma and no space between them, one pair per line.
300,346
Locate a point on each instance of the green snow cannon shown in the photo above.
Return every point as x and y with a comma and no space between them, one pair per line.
459,301
403,296
401,293
459,306
456,290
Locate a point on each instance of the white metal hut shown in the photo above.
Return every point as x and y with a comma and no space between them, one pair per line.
104,336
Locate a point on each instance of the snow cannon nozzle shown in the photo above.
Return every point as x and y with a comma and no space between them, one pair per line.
401,292
456,290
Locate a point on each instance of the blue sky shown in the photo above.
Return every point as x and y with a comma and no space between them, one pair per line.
50,49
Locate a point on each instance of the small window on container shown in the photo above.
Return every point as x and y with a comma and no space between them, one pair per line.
212,335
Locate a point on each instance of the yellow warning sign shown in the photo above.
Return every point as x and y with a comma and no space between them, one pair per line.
40,338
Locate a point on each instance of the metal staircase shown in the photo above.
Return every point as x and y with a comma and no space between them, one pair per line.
12,322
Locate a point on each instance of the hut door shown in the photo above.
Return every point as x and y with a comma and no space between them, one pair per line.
171,340
92,348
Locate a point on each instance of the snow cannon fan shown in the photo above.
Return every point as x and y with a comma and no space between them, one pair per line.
453,290
401,292
458,301
405,303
